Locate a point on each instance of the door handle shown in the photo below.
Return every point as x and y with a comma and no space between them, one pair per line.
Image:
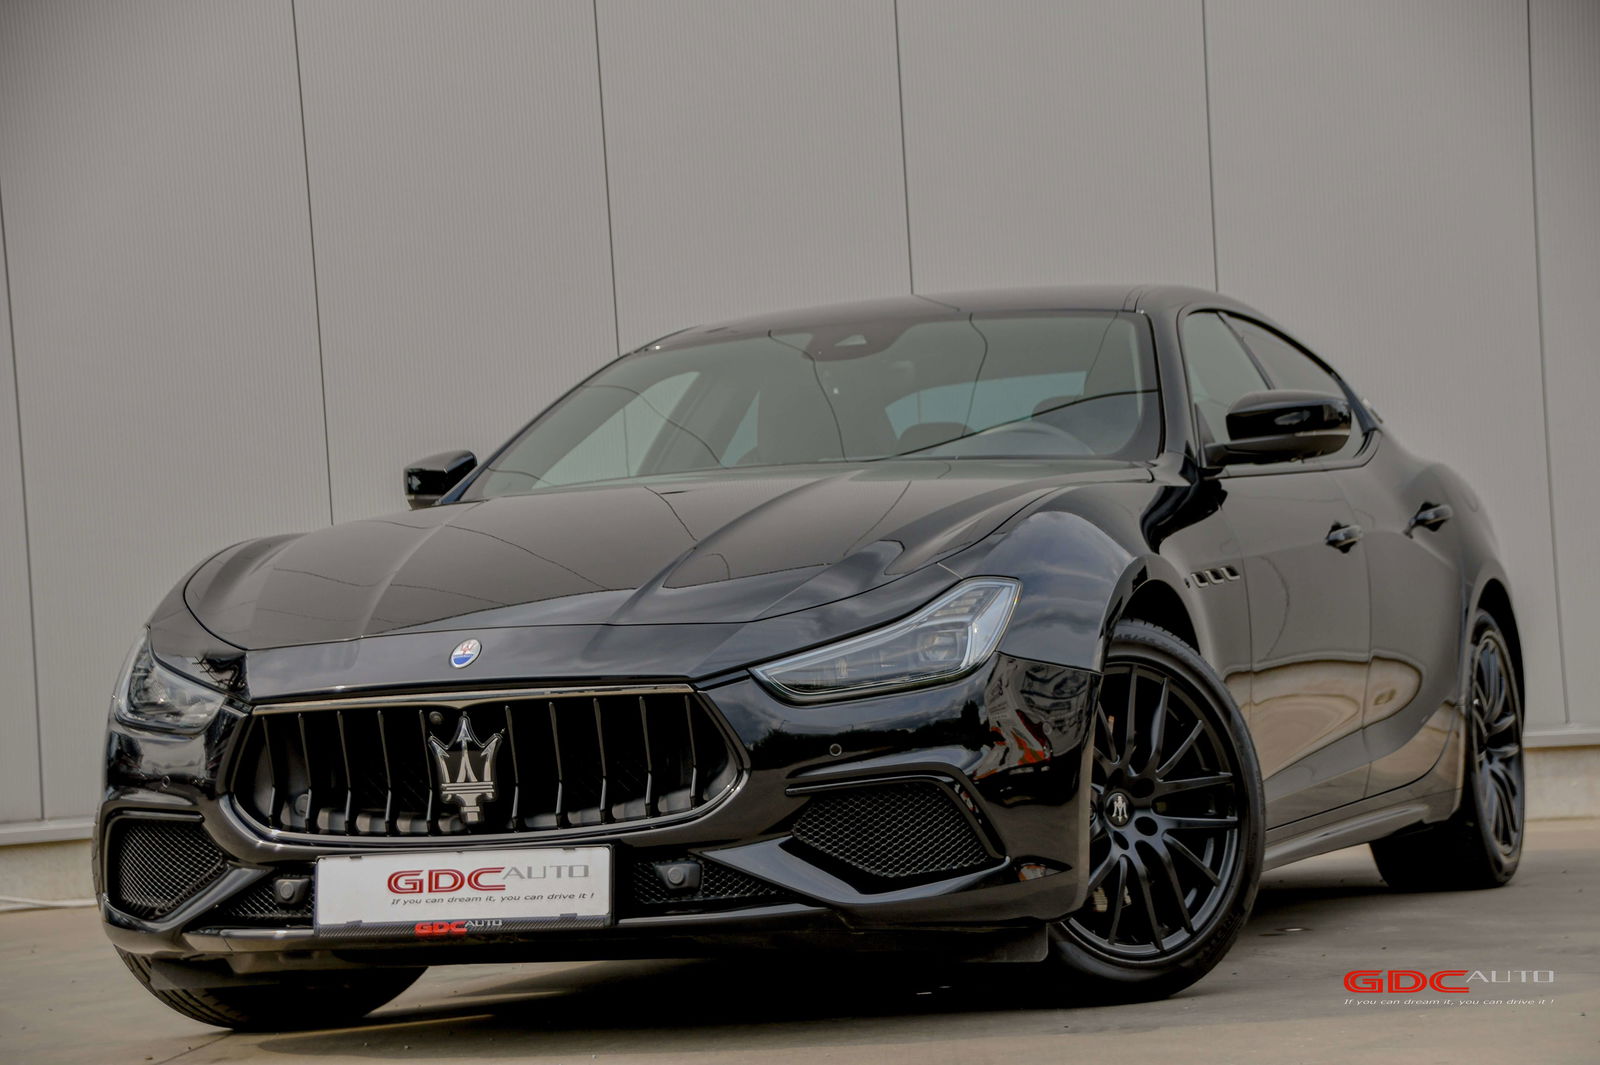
1431,516
1344,537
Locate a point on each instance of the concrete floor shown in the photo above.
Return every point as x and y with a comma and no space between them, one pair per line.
1278,997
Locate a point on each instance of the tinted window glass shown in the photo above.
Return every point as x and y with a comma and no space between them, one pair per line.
1220,371
1290,367
617,446
1287,365
1062,385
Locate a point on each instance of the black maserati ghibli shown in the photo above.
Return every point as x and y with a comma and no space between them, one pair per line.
1024,627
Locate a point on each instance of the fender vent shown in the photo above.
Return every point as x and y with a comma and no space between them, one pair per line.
1216,575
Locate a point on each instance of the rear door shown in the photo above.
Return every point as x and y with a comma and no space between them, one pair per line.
1305,577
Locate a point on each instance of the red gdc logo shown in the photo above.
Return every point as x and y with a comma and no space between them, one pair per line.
444,881
441,928
1403,981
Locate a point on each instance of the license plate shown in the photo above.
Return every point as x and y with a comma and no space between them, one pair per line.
453,893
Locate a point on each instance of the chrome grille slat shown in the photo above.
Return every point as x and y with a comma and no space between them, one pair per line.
516,771
649,762
557,761
388,775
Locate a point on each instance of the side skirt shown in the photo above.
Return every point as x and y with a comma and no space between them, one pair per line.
1433,797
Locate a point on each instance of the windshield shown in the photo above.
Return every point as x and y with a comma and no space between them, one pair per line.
1059,385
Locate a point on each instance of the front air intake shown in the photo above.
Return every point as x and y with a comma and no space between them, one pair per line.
260,904
154,866
515,762
719,887
895,832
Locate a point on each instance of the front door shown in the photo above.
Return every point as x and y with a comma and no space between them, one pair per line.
1305,578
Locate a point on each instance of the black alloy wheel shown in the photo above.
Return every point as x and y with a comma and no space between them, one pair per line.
1176,825
1495,721
1164,825
1480,845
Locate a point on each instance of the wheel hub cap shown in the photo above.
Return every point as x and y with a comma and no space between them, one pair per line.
1118,809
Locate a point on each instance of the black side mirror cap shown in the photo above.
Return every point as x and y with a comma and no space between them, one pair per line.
427,480
1282,425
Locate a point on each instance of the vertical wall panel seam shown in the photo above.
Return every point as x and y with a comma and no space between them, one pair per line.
605,174
1544,383
22,477
311,233
1211,170
905,168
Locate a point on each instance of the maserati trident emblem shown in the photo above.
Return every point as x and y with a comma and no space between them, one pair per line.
466,769
465,654
1118,809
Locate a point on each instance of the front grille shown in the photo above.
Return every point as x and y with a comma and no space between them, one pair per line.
892,832
156,865
482,765
259,904
718,885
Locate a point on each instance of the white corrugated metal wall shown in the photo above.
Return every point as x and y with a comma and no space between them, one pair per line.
257,255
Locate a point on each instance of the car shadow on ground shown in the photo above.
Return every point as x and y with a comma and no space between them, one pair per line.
778,1002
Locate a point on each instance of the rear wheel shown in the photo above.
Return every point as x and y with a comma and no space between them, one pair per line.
291,1001
1176,825
1481,844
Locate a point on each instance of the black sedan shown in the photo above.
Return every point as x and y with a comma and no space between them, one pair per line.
1023,627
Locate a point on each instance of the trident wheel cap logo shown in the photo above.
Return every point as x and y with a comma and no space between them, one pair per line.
465,654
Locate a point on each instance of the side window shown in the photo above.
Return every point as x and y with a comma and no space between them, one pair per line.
1220,371
1290,367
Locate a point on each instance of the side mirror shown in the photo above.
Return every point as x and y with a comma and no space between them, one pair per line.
1282,425
429,479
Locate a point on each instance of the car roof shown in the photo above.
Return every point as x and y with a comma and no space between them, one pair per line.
931,307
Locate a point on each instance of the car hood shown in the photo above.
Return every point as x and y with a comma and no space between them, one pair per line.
732,547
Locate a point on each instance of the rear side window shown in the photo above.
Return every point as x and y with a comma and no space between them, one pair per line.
1220,372
1289,366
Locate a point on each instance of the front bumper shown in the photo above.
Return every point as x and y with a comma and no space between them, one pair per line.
1005,751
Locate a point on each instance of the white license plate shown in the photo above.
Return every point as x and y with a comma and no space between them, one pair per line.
444,893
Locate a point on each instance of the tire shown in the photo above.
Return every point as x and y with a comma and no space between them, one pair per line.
292,1001
1480,845
1173,869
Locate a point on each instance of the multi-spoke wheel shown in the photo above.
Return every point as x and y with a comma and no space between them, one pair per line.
1175,822
1481,844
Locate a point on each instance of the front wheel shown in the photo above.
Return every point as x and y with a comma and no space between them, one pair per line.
291,1001
1176,825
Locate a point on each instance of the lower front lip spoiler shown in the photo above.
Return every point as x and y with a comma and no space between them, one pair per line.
256,940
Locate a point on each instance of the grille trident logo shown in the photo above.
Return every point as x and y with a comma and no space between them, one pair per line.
466,769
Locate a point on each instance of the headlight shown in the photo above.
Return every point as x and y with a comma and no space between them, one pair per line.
951,636
148,695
